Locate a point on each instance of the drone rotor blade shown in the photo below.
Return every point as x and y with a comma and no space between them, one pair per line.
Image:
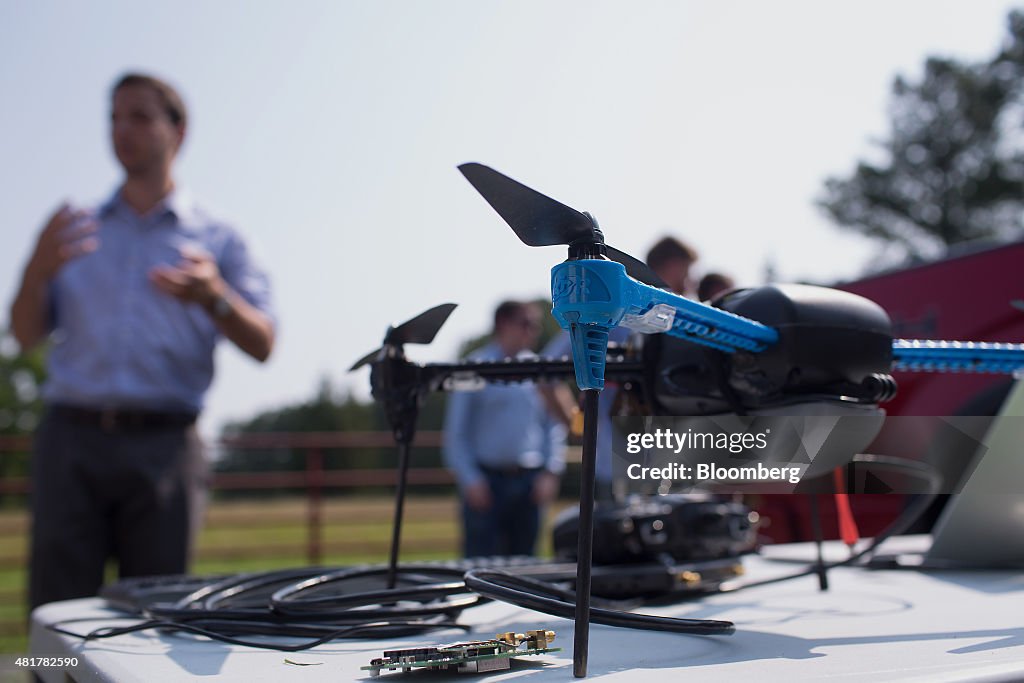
537,220
423,328
637,269
418,330
368,358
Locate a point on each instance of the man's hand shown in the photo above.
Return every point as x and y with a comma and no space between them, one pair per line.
196,278
67,235
478,496
545,487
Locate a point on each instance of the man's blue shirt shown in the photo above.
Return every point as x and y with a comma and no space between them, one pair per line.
500,426
118,341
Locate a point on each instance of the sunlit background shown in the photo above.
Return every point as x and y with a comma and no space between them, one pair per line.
329,133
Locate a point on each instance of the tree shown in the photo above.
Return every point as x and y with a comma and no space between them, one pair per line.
954,161
21,376
325,412
328,412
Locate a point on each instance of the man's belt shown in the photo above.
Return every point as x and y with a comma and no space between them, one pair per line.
122,420
509,470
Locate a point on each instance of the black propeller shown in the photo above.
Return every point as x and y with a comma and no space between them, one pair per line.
419,330
637,269
540,221
537,220
396,384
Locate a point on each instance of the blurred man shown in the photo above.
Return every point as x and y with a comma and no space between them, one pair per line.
713,284
672,260
136,293
505,450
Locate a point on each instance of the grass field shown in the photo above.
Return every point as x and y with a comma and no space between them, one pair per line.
253,536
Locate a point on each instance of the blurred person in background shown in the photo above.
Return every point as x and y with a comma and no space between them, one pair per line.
504,448
713,284
134,296
672,259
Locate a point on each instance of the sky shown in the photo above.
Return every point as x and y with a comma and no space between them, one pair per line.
329,133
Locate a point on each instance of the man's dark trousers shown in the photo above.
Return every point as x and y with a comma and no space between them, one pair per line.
510,527
134,490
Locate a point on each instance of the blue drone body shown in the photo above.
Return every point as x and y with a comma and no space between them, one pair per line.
590,297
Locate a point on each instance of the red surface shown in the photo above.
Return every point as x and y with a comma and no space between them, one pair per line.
964,298
967,298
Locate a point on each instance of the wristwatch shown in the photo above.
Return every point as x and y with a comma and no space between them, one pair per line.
221,307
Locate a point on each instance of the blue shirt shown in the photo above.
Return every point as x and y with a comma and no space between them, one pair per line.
501,425
562,346
118,341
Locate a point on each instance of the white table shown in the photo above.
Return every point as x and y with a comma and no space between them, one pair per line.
872,625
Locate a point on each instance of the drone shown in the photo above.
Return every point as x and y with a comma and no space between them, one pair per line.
770,348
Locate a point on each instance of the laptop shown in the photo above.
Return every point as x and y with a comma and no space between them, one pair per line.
983,526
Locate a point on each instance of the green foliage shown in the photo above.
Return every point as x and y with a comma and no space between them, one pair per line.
328,412
21,377
325,412
954,161
21,406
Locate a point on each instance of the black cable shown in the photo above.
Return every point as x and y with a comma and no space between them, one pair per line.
243,604
432,586
243,596
436,596
354,631
550,599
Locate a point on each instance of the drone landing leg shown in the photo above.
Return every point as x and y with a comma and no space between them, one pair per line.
396,527
818,537
585,543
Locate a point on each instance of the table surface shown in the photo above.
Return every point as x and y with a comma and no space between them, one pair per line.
873,625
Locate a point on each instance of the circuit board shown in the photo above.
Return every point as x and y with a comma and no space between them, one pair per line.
477,656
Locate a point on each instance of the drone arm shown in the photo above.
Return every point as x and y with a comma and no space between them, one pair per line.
707,325
925,355
475,374
591,297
